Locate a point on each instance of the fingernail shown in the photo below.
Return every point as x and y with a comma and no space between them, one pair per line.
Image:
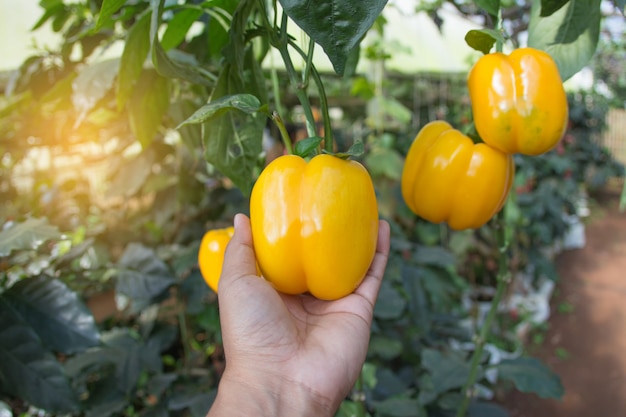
237,220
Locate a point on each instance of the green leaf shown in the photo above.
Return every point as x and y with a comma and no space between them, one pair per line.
55,312
385,347
135,53
434,255
106,11
142,277
621,5
399,407
531,375
490,6
390,304
550,6
569,35
233,140
27,369
247,103
336,25
148,104
483,40
27,235
306,147
447,371
177,64
178,27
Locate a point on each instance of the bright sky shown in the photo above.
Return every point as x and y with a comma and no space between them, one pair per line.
16,40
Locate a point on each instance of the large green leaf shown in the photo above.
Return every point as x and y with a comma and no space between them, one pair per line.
27,369
531,375
246,103
148,104
55,312
135,53
447,371
336,25
232,141
390,304
400,407
178,27
482,409
106,11
570,34
173,65
550,6
142,277
27,235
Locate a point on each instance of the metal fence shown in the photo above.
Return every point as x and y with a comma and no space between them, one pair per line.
614,137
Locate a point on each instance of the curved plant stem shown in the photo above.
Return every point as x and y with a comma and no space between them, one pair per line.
283,132
328,137
503,281
283,48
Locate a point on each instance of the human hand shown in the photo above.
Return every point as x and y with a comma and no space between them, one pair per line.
285,354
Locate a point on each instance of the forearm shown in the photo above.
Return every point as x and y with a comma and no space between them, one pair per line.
270,399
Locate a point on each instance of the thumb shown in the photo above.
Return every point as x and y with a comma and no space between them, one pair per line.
239,258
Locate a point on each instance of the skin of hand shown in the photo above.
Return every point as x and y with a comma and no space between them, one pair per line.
289,355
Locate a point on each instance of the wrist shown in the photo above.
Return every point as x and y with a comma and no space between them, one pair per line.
268,396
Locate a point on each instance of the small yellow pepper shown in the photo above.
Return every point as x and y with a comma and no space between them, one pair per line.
448,178
211,254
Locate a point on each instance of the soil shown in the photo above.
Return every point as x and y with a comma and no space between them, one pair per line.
585,343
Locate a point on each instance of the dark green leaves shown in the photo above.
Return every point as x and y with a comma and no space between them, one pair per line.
550,6
246,103
55,312
232,139
336,25
27,369
483,40
531,375
143,276
27,235
570,34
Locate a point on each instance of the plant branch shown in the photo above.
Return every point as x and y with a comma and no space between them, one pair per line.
503,281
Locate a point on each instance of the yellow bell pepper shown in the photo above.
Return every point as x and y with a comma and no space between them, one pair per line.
518,101
448,178
314,225
211,254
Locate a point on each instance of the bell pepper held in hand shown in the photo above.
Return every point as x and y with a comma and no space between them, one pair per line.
314,225
448,178
518,101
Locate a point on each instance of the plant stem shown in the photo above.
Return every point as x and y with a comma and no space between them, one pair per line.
328,137
359,396
502,284
184,336
283,48
283,132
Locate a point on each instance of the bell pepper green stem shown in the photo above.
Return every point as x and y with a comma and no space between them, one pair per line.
283,48
502,283
328,138
283,132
